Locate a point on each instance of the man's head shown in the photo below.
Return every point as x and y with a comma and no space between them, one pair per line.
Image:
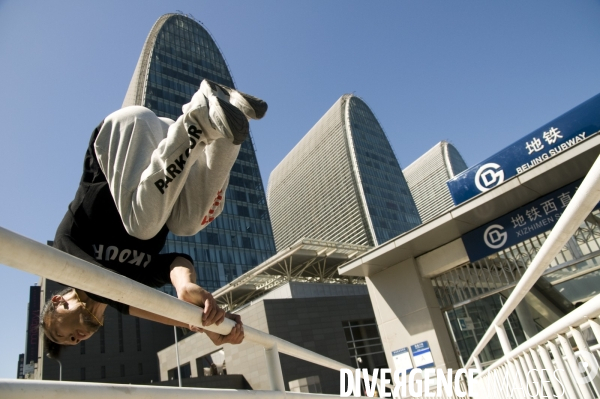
65,320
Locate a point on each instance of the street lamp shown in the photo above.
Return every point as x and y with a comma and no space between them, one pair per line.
177,354
358,364
59,364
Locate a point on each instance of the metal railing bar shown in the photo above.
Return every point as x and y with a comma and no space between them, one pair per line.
528,365
460,292
537,364
580,206
575,275
521,258
25,389
490,277
582,345
562,370
549,366
487,294
36,258
505,264
445,291
562,326
469,285
571,262
572,362
479,280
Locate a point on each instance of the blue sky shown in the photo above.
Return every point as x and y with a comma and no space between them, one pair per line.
479,74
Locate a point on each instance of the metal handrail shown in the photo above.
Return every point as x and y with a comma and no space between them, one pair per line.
20,389
582,203
577,317
33,257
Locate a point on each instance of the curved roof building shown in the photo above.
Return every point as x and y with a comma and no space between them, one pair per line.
341,182
177,55
427,177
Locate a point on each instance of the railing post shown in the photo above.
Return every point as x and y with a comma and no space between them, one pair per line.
513,366
177,356
574,366
590,369
562,370
595,329
274,368
552,370
504,342
478,364
537,364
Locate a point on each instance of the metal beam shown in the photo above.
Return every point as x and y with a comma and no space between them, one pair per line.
34,389
40,259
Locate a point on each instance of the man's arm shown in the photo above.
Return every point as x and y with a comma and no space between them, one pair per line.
183,278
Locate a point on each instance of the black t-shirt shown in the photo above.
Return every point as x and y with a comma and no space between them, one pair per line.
93,231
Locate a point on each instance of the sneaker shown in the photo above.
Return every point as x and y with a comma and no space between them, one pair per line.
252,107
228,119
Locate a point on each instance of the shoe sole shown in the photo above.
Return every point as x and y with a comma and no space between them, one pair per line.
252,107
231,119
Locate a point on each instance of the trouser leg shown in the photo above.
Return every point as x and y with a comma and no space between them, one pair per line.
203,197
148,163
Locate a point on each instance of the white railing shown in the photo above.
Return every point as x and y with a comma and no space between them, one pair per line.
36,258
556,363
25,389
517,366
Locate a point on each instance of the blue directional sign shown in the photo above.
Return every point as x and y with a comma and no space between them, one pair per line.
525,222
562,133
402,360
421,354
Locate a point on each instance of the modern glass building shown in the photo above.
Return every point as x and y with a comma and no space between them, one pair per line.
177,55
427,177
341,182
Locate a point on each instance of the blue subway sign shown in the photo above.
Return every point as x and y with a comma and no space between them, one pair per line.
525,222
422,356
562,133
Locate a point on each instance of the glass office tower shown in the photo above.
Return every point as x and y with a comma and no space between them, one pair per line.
177,55
341,182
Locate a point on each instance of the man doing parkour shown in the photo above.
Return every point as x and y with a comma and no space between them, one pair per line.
144,176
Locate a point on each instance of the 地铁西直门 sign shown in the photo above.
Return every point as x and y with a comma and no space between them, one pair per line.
525,222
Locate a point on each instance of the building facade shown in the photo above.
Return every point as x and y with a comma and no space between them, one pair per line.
177,55
427,177
341,182
442,284
33,322
20,374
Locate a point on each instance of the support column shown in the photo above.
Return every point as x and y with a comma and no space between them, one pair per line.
408,313
274,369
